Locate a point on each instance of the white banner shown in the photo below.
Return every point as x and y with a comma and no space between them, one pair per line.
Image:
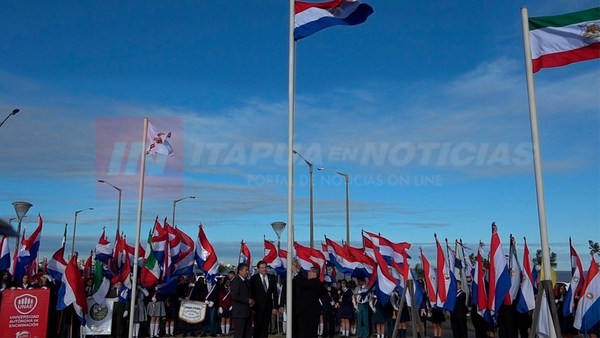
192,312
99,317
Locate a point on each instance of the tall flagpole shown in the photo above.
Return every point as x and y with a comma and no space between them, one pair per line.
535,142
537,164
290,208
138,228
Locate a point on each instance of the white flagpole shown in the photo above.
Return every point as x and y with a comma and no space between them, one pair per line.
290,208
138,229
539,184
535,141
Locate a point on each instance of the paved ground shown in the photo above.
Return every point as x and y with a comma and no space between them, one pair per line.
447,331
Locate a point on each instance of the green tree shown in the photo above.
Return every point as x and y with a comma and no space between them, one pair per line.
594,246
538,258
419,271
473,258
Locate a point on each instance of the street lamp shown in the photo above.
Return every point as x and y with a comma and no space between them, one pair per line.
175,204
21,208
119,209
347,178
312,224
75,229
278,228
14,112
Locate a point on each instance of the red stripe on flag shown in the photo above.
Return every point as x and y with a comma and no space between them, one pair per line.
559,59
301,6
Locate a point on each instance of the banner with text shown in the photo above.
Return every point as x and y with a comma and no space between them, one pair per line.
24,313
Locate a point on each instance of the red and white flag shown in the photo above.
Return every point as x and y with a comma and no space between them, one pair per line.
206,257
72,291
588,308
309,257
158,142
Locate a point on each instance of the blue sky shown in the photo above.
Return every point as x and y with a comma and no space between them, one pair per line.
424,106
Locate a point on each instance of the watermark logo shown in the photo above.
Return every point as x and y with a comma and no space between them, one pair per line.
395,180
400,154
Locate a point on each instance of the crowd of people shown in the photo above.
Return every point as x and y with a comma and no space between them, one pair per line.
245,305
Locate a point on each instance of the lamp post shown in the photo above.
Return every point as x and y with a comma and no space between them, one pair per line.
119,208
278,228
21,208
312,224
175,204
347,178
14,112
75,229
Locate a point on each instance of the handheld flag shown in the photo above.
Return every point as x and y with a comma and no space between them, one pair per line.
151,269
526,300
430,279
576,283
365,264
72,291
340,257
515,271
272,258
446,278
29,251
479,290
245,256
588,308
57,264
309,257
206,257
498,272
4,253
185,265
103,250
386,283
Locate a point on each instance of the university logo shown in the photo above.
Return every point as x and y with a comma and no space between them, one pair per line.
23,334
25,304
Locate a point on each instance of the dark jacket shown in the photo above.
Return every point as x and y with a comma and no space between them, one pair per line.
264,299
460,309
309,292
240,294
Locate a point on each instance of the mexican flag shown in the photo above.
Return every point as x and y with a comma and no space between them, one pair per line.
151,269
560,40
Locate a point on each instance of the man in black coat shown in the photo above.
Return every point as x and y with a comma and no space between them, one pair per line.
306,303
263,288
242,301
458,317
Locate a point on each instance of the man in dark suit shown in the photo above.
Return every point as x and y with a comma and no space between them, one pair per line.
458,317
263,288
306,303
242,301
